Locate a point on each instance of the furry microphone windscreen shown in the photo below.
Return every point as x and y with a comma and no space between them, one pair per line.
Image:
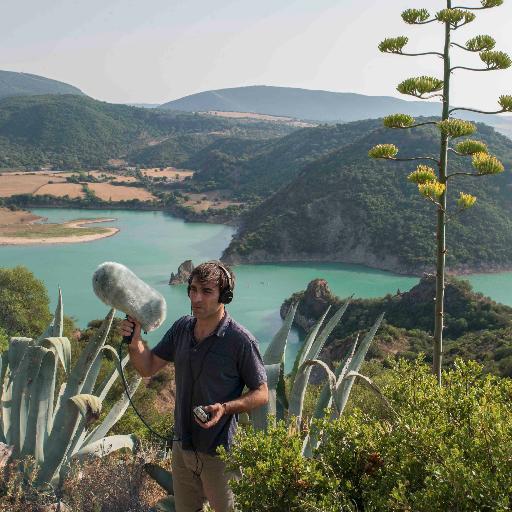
118,287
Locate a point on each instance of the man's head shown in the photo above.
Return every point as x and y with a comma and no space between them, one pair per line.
210,286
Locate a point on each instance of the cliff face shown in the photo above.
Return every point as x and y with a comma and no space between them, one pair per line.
183,273
348,208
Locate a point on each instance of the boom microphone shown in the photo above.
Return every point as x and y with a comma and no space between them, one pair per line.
118,287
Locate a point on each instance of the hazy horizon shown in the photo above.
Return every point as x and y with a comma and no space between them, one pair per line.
123,51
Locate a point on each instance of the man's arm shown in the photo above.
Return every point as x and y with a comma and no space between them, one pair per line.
248,401
141,357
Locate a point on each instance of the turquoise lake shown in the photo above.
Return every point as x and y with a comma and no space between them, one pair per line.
153,244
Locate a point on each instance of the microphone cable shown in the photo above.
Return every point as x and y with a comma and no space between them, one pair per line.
125,384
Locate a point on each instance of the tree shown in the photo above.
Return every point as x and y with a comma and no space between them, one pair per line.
433,182
24,303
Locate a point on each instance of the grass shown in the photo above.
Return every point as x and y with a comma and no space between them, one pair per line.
49,231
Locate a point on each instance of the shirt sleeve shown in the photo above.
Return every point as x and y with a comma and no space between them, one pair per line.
166,348
250,365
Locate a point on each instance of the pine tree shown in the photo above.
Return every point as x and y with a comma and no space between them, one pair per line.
433,181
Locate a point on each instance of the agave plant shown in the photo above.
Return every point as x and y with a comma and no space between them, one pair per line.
289,406
55,431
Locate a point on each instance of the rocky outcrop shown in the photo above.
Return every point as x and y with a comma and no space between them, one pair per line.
183,273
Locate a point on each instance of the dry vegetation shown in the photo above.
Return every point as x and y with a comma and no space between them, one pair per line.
204,201
108,192
168,172
19,217
24,183
261,117
60,190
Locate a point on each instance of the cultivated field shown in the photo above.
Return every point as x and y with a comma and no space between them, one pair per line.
61,189
24,183
199,204
9,218
108,192
168,172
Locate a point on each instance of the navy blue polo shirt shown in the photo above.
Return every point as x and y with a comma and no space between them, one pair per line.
214,370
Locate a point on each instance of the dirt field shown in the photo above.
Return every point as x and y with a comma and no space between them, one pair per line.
9,218
261,117
24,183
61,189
212,201
168,172
107,192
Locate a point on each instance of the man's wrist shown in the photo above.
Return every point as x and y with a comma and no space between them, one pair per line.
225,408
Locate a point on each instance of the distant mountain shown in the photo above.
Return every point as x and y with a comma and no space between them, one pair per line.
25,84
76,131
317,105
346,207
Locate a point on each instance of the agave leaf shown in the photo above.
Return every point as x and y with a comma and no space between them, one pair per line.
3,371
302,354
331,377
62,348
17,347
46,381
275,352
54,330
301,380
161,476
92,376
66,417
259,416
324,401
366,381
343,391
165,505
107,383
60,394
35,386
114,414
88,405
21,394
106,445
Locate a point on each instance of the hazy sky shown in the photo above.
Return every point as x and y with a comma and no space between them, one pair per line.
152,51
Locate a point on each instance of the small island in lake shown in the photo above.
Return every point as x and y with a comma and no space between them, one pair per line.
21,228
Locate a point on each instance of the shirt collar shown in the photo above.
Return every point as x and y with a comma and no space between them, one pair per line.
220,330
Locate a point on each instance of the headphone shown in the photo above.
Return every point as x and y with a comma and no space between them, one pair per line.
226,294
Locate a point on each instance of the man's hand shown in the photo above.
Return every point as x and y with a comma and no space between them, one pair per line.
129,326
216,412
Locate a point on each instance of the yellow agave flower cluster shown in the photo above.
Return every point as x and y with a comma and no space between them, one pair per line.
465,200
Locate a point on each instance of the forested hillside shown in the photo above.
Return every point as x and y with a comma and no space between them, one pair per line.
346,207
25,84
69,130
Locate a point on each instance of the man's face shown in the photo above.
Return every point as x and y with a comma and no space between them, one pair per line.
204,298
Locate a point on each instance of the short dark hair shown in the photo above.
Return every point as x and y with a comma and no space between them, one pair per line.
212,271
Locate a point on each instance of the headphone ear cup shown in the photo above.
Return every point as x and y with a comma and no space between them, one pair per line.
226,297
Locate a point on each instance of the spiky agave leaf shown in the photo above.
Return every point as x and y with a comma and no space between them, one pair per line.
505,102
106,445
388,151
62,348
470,147
415,16
419,86
455,17
422,174
260,415
456,127
56,327
432,189
495,59
398,121
331,377
393,44
161,476
465,200
88,405
486,164
480,43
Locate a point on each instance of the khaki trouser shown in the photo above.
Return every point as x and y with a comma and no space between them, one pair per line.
197,478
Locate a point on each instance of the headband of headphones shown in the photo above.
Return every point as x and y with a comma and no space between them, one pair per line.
226,294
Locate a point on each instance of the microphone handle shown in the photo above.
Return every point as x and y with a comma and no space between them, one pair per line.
128,339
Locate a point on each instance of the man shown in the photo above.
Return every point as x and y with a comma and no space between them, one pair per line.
214,358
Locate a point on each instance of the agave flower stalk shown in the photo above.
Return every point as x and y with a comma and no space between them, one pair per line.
433,183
